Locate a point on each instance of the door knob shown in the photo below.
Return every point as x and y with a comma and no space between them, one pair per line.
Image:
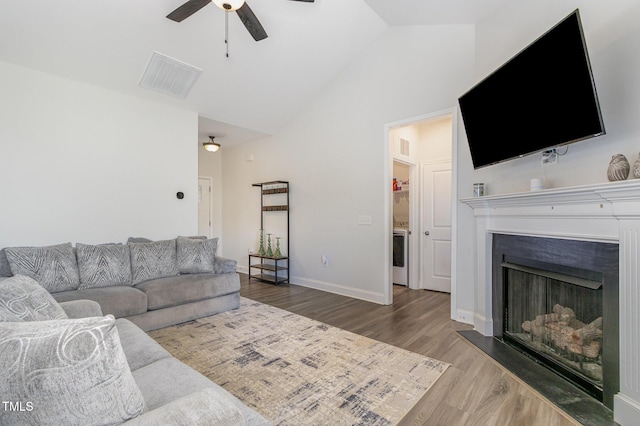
426,232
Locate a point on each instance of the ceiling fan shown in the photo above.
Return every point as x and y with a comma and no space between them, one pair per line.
243,10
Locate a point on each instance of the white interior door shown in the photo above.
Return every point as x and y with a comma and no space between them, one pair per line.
436,227
204,207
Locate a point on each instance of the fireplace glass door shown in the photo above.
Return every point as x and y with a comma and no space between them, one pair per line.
556,318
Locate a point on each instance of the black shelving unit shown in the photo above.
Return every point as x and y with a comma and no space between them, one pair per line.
271,269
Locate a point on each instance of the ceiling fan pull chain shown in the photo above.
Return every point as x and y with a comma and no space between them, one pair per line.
226,31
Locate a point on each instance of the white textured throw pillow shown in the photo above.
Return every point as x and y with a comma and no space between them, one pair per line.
23,299
66,372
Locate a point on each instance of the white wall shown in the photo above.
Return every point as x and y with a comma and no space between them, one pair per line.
84,164
613,39
335,157
435,139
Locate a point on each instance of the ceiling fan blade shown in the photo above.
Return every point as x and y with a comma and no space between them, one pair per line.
187,9
250,21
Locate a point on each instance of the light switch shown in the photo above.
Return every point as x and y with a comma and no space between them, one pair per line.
364,219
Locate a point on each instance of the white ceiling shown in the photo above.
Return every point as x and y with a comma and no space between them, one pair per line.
255,91
434,12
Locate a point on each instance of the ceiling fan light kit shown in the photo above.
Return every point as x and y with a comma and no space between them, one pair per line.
243,10
229,5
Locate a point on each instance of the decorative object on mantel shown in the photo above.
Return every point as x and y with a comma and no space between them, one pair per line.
269,250
278,253
478,189
636,168
618,168
536,184
261,251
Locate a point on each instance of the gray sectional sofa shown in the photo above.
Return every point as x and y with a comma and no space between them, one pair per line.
154,284
66,363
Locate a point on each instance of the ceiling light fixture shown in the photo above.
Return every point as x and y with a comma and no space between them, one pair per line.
210,145
229,5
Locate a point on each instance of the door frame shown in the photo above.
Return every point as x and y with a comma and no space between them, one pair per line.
388,199
414,221
210,228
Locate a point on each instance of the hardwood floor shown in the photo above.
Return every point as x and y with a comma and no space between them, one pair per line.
473,391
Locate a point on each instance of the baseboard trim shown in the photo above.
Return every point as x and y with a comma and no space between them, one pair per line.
339,289
626,411
463,316
483,325
368,296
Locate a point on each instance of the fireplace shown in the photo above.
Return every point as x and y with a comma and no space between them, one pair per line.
607,213
556,300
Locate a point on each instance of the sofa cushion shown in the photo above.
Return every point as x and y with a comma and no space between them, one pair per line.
167,380
172,291
103,265
196,255
81,308
24,299
73,371
139,348
153,260
223,265
205,407
5,268
53,267
119,301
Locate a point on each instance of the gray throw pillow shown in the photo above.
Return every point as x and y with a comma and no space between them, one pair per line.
5,269
103,265
196,255
53,267
139,240
153,260
23,299
72,372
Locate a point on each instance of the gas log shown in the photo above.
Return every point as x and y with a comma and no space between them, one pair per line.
561,329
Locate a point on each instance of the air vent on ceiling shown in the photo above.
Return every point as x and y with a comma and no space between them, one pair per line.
169,76
404,147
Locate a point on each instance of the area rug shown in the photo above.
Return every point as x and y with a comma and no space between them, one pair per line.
297,371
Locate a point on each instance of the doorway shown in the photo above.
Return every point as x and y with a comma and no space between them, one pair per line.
423,146
204,206
401,217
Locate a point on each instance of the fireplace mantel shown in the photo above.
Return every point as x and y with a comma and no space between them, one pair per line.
608,212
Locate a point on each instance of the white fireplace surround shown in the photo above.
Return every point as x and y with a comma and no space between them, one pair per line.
608,213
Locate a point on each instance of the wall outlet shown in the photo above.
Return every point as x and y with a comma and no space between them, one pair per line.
250,251
324,259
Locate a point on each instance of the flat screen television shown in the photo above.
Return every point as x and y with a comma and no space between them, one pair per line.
542,98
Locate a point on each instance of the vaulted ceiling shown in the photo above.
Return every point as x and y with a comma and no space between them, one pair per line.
253,92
